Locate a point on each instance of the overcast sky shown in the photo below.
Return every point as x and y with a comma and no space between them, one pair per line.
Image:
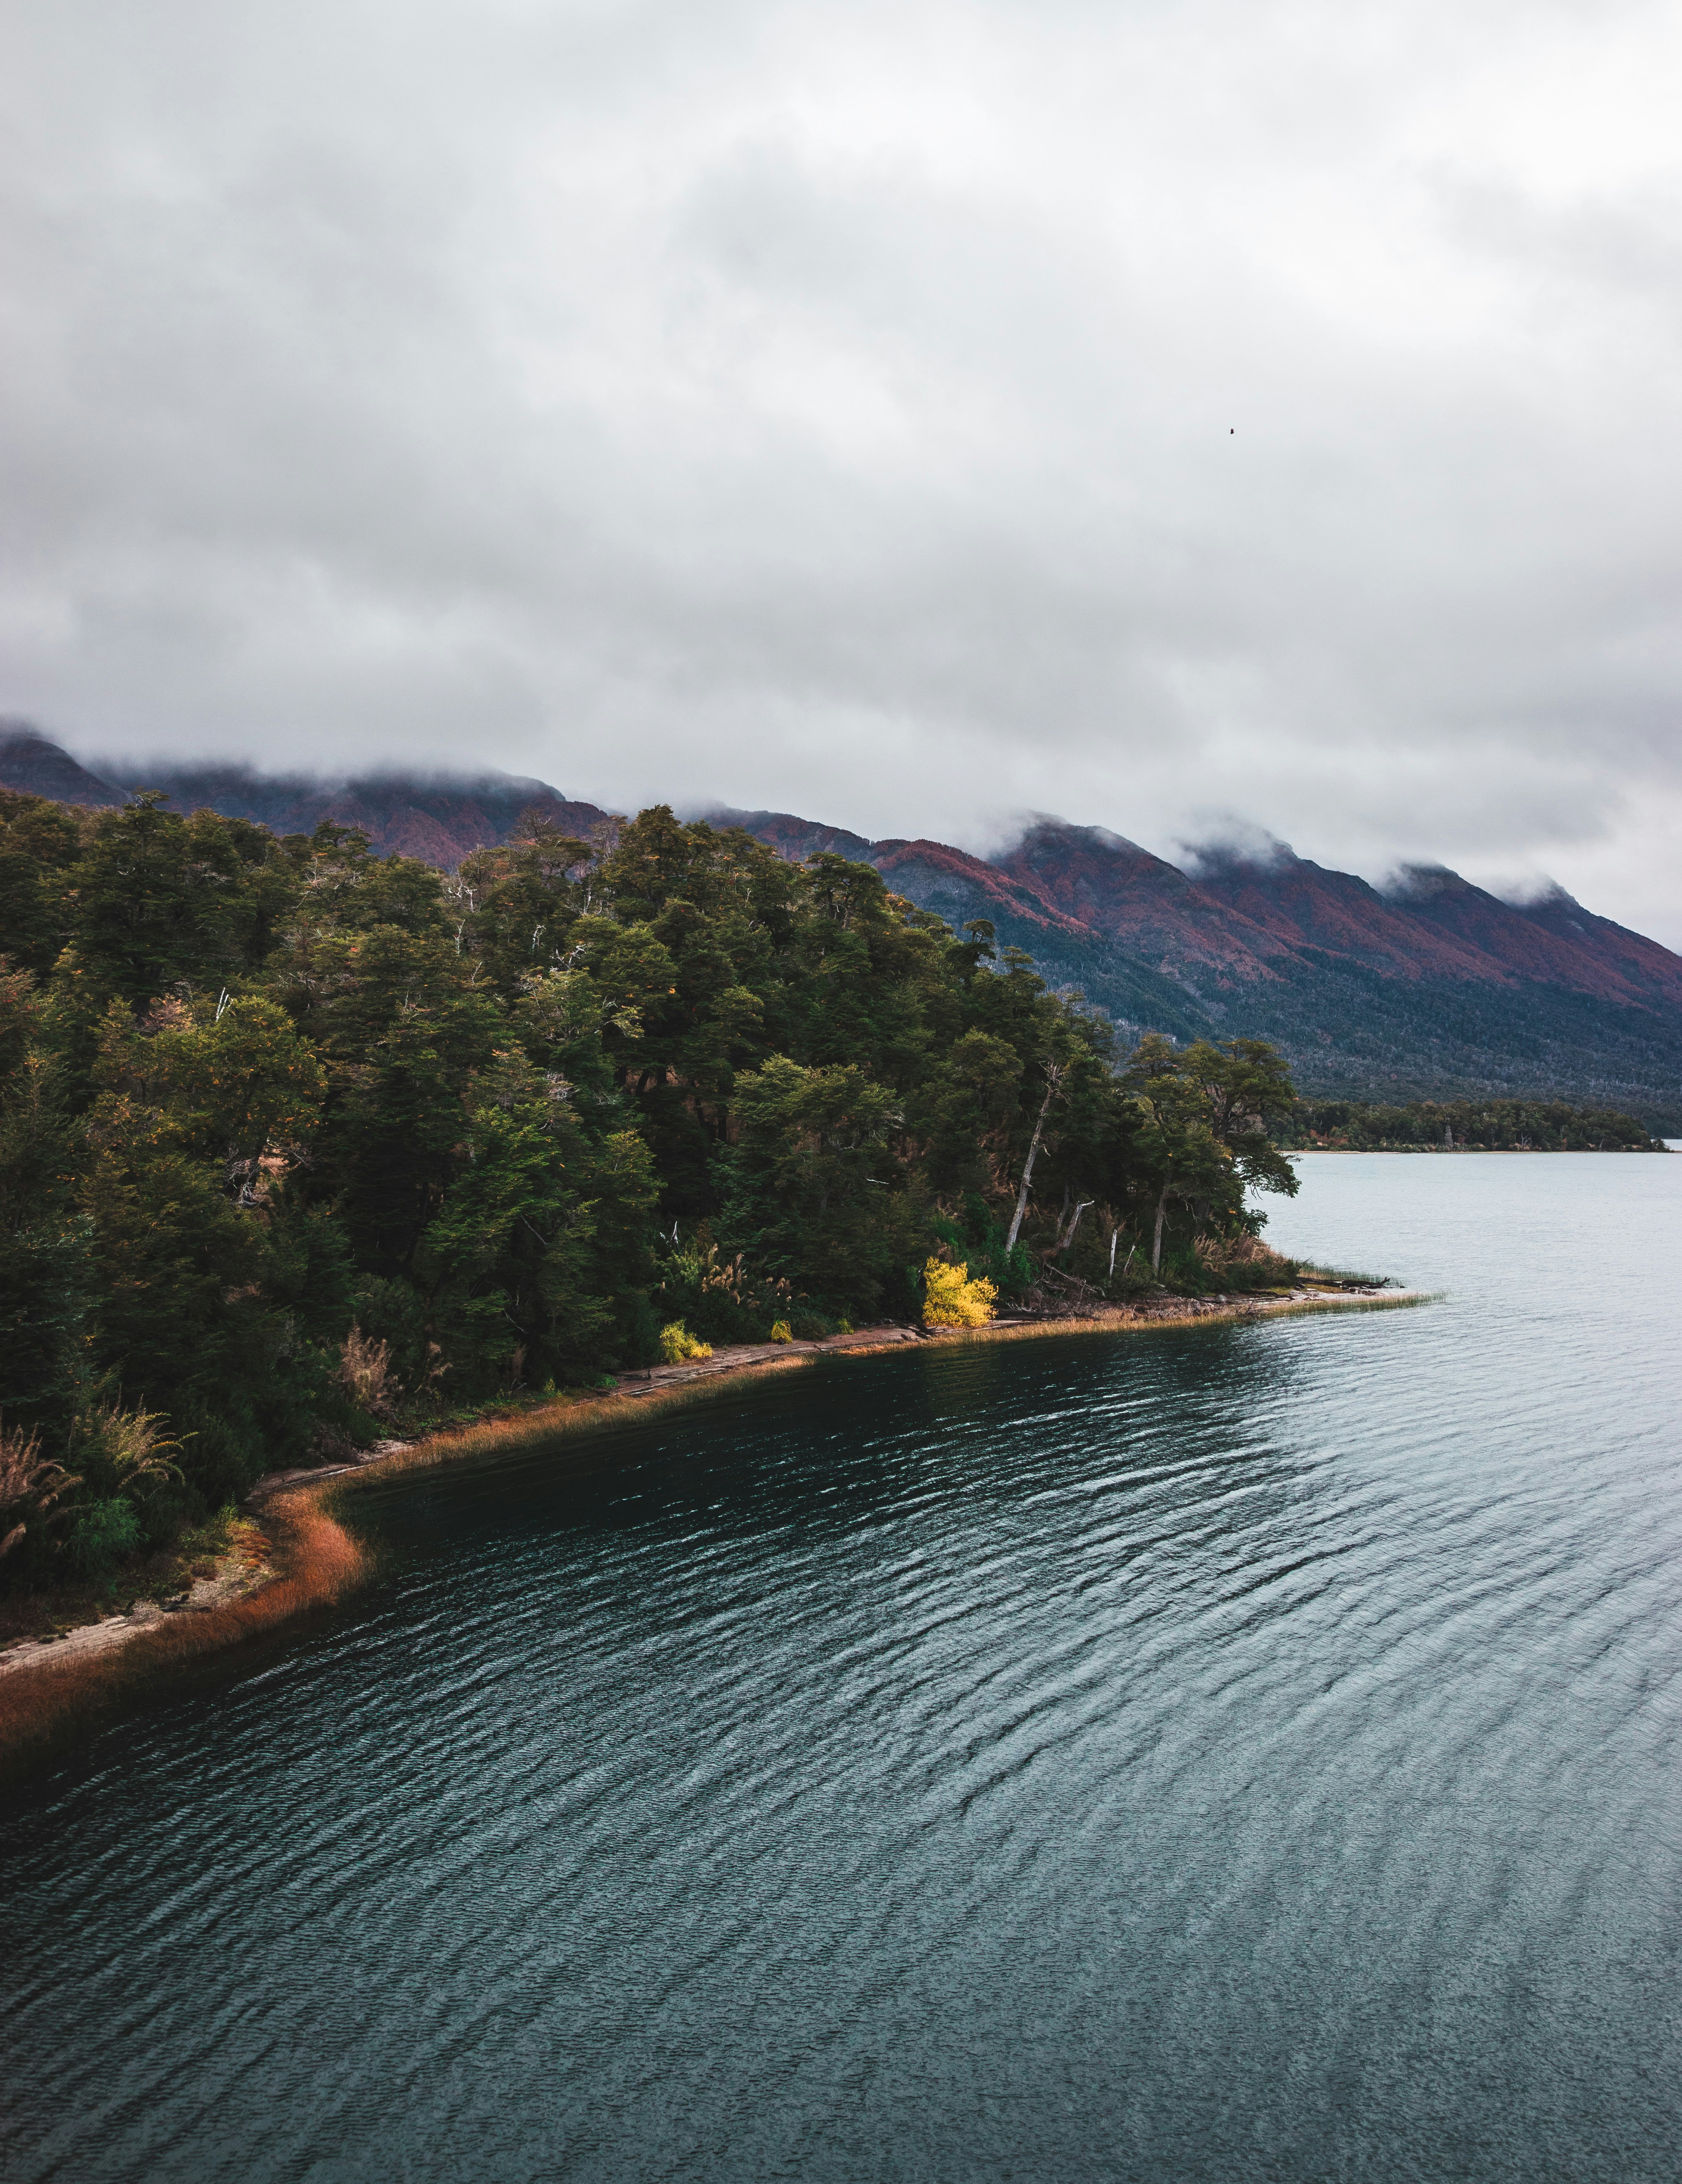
904,414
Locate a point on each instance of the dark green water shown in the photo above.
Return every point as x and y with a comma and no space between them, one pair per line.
1246,1753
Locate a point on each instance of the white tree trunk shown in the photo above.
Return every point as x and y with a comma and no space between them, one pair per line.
1055,1078
1162,1216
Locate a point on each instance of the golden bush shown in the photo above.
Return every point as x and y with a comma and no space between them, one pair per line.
953,1299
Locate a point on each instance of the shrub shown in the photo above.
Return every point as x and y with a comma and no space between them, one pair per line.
809,1326
782,1332
953,1299
723,1299
132,1442
391,1311
365,1370
1240,1262
678,1344
30,1484
639,1340
105,1534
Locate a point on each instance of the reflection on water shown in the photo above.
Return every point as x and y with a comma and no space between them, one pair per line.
1230,1753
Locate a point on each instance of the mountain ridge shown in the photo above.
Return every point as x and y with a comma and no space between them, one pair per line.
438,817
1431,987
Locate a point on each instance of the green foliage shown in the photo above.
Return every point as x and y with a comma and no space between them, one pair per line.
104,1534
39,842
294,1138
1465,1126
814,1186
1200,1130
46,1271
722,1300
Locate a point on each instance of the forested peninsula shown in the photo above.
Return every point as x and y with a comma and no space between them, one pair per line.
296,1140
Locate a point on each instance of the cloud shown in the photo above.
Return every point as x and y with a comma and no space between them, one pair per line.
1174,415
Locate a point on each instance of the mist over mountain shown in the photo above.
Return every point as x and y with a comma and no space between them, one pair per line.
438,818
1429,987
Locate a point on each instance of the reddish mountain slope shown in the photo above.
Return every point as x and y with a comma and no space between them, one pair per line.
794,838
1438,900
1650,969
961,887
1139,902
1432,989
1236,918
1304,905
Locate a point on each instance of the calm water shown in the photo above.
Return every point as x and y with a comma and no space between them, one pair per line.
1246,1754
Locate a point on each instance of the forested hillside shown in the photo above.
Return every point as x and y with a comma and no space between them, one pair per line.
292,1134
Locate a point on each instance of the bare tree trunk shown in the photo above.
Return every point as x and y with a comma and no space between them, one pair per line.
1054,1080
1162,1216
1066,1236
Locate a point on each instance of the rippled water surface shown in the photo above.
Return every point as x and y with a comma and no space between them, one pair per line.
1240,1753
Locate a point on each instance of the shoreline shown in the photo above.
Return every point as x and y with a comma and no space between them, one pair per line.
54,1689
1295,1152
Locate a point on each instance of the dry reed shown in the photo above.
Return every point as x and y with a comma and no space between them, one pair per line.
366,1372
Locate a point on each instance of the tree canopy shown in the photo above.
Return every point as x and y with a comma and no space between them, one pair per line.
271,1109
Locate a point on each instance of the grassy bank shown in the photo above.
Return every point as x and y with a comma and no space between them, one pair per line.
52,1693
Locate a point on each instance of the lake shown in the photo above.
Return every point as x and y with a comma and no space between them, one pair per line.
1236,1752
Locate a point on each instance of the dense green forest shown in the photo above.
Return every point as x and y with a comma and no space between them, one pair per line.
1466,1125
294,1138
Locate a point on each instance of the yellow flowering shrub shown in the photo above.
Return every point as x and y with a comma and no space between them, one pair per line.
953,1299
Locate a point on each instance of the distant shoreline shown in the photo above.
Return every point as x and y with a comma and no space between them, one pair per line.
52,1690
1489,1152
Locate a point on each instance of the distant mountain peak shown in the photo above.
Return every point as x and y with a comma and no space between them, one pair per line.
1542,894
37,767
1426,883
1051,827
1236,846
793,837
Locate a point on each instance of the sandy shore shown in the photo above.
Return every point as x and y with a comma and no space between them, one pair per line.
295,1557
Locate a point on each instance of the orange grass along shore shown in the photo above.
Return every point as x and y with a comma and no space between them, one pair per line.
50,1692
297,1556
